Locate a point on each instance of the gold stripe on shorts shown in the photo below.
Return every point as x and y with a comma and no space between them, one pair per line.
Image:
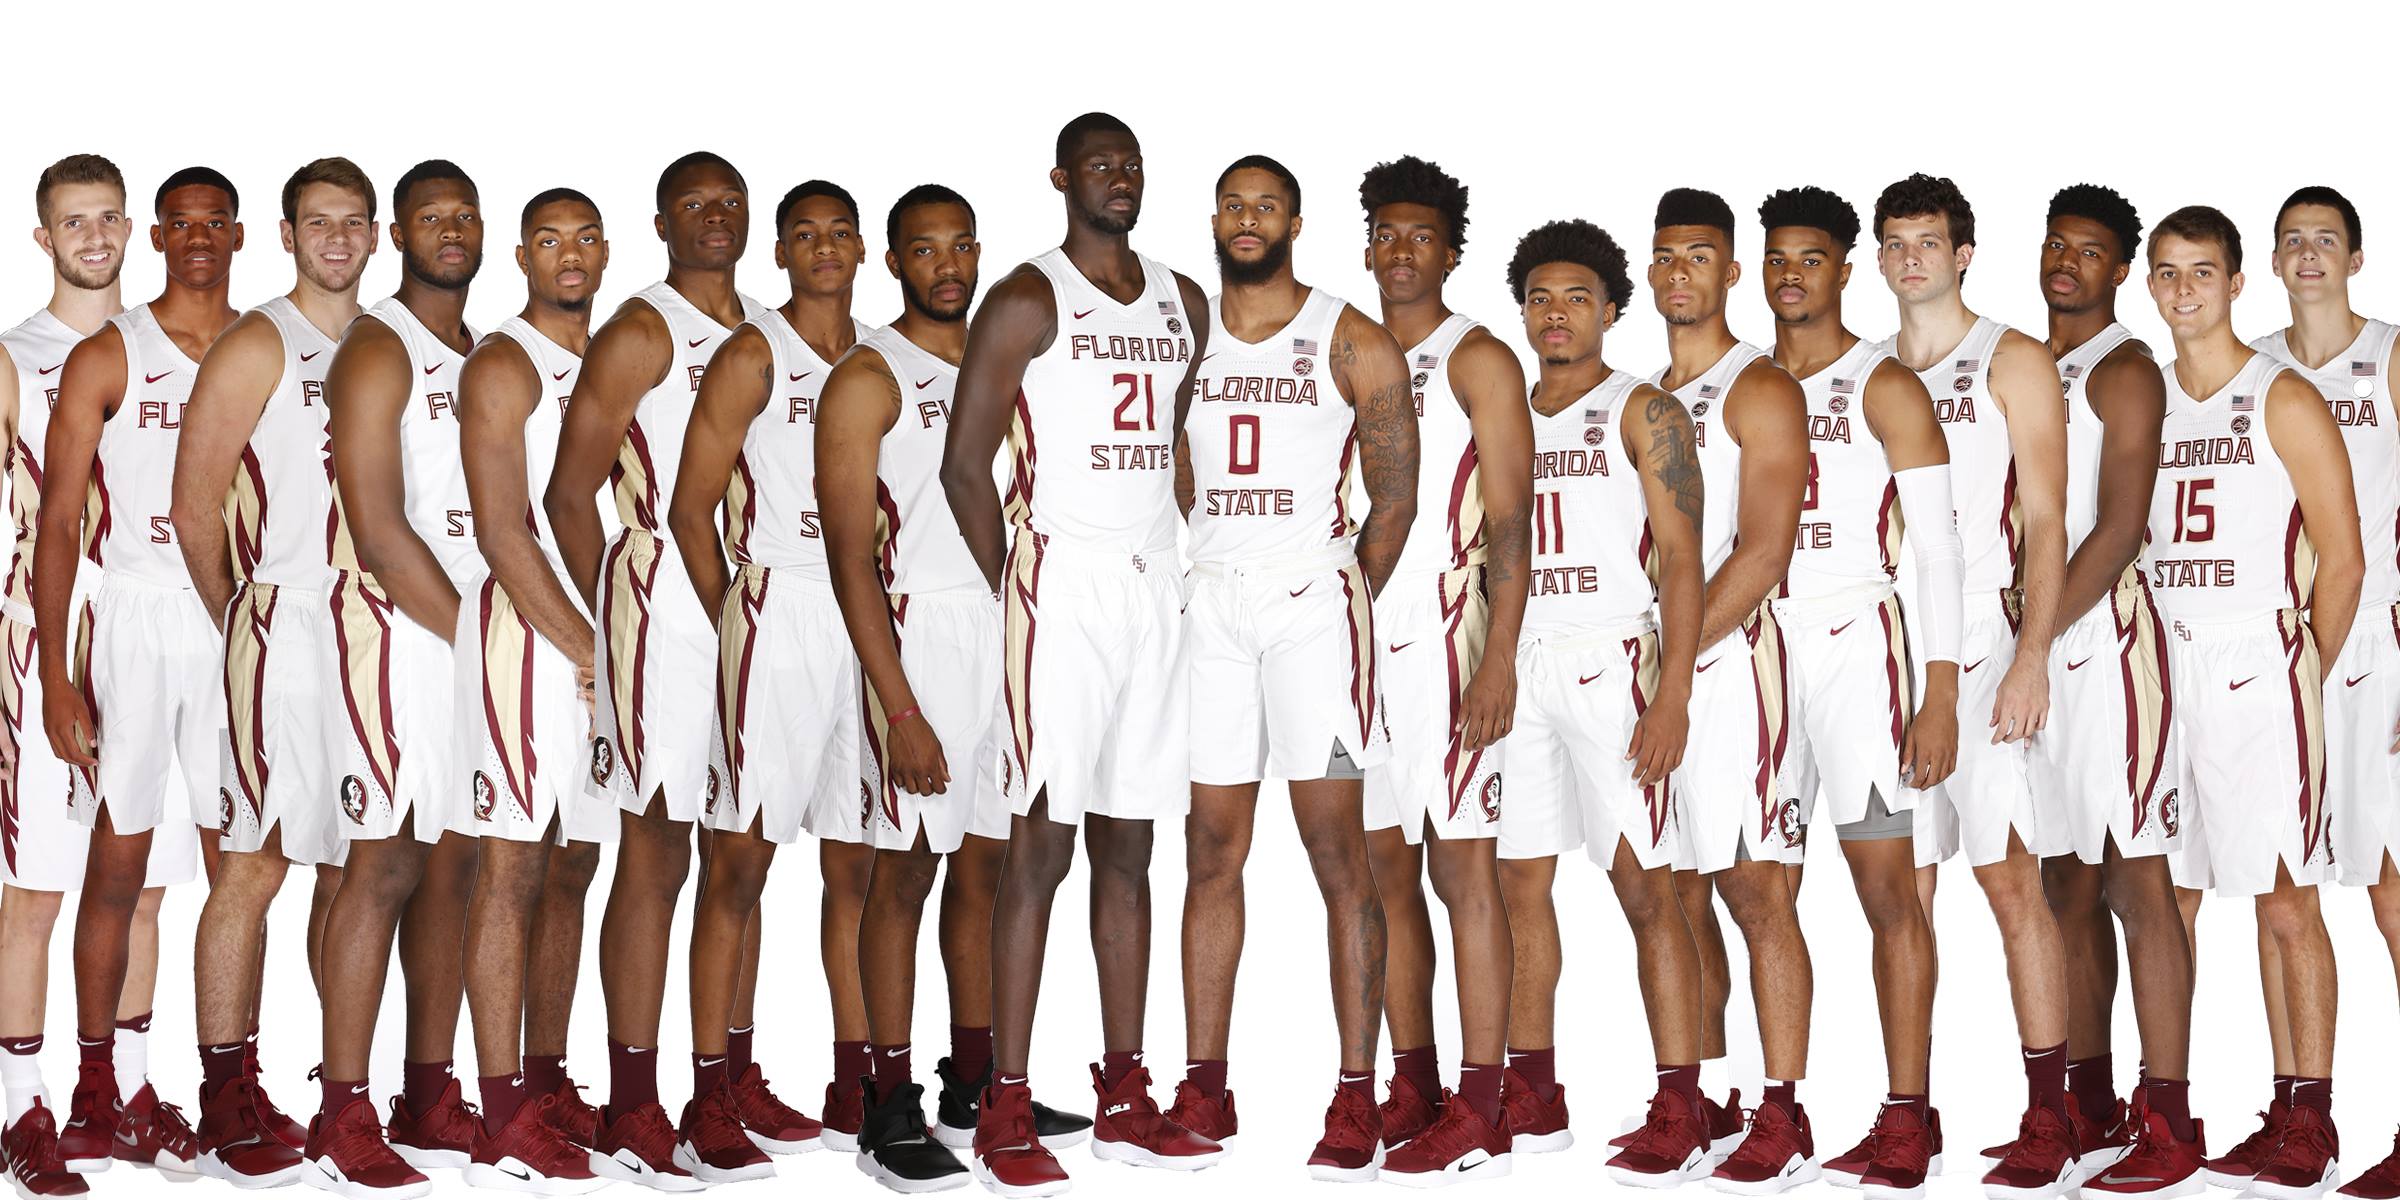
1643,650
1021,593
1771,674
362,630
737,645
630,569
1362,650
508,691
2308,718
247,629
1466,620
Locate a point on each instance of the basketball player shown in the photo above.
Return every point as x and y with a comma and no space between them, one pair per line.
655,649
1086,354
404,540
788,684
1876,454
2245,532
524,650
1997,399
1447,624
254,448
1750,431
1602,719
2109,685
80,224
1280,632
2349,359
144,683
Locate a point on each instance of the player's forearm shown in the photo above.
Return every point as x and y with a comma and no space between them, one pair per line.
2045,574
1507,578
533,588
575,522
2096,566
54,564
1680,604
704,562
867,617
976,505
2333,605
203,544
1381,538
409,574
1740,586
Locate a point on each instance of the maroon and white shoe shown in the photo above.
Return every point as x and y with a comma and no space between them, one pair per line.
2381,1181
712,1145
87,1142
1776,1154
571,1115
844,1113
348,1157
1351,1150
1458,1147
235,1143
1212,1117
2302,1166
2232,1170
2097,1143
1009,1159
2040,1163
1536,1126
773,1126
1670,1149
530,1155
2155,1166
1407,1112
29,1147
1845,1170
442,1137
153,1133
639,1147
1128,1128
1906,1152
278,1124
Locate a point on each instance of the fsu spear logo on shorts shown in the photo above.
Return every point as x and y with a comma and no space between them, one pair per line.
354,799
484,799
604,761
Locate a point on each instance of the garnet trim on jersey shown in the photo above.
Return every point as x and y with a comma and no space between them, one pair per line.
248,628
83,685
1770,670
628,582
1023,596
2142,635
739,643
2308,717
1645,687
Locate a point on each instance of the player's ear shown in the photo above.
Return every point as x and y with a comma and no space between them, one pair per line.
41,237
780,264
1842,280
1295,228
2234,288
524,261
1058,178
237,235
659,223
1965,255
1608,316
891,262
1366,258
1733,272
2358,261
602,264
2118,277
285,227
1449,261
158,238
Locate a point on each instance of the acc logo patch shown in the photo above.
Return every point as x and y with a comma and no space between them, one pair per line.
1488,797
1838,405
354,799
604,760
2241,424
1591,436
484,796
224,811
1302,366
1964,383
2170,812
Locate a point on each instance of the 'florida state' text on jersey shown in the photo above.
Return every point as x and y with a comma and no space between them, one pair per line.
1850,520
126,526
2226,541
1593,559
431,470
282,498
1272,441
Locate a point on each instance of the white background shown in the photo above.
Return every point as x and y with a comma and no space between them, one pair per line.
1546,112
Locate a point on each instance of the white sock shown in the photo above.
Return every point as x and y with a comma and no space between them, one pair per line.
132,1056
1712,1077
21,1074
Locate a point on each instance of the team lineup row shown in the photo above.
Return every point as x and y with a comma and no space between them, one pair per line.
1690,615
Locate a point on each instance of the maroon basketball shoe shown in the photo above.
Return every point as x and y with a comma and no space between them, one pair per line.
87,1142
1537,1126
1776,1154
1213,1118
713,1146
2040,1163
153,1133
1670,1149
1009,1159
2381,1181
2233,1169
1128,1128
235,1143
1407,1112
2302,1166
1457,1147
1351,1151
2155,1166
529,1154
443,1136
638,1146
30,1148
773,1126
348,1157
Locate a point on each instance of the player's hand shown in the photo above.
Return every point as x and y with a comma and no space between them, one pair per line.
8,753
584,683
1658,737
73,732
2395,749
1488,710
2023,706
1930,751
916,763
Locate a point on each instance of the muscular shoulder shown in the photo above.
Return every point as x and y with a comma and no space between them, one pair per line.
2126,373
746,349
253,340
1482,361
1891,382
496,363
2023,365
636,326
1023,293
1763,398
2289,390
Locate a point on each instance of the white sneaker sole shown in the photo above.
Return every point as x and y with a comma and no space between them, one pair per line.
2189,1185
210,1165
1695,1167
1497,1166
2271,1191
905,1186
1365,1174
1127,1152
640,1174
983,1175
501,1176
2068,1177
795,1146
847,1143
431,1160
1794,1174
324,1177
689,1160
1542,1143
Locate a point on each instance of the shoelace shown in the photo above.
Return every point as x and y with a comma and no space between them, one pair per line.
170,1126
2305,1143
1753,1148
719,1125
1657,1135
754,1095
1451,1133
42,1140
1346,1124
2263,1139
2037,1136
649,1135
357,1143
550,1147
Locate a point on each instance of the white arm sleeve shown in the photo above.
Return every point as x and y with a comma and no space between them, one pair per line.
1932,531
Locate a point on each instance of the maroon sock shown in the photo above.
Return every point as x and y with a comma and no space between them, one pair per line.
2283,1089
502,1096
1207,1074
632,1077
1539,1069
2046,1078
2310,1092
422,1084
2093,1083
1479,1086
1001,1079
970,1051
738,1043
1784,1094
2172,1099
102,1049
1682,1080
708,1074
1421,1066
1358,1083
140,1024
544,1073
1921,1105
338,1094
892,1067
250,1051
1115,1065
852,1061
221,1064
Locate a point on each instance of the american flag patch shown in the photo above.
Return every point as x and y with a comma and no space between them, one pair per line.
2245,403
1304,345
1968,366
2362,370
1427,362
2072,370
1845,385
1595,416
1168,308
1708,391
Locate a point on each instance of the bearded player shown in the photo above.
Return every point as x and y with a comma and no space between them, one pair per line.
1750,431
1446,654
1280,632
79,210
2255,560
2108,756
403,545
1084,360
144,684
524,649
253,456
1601,721
1877,456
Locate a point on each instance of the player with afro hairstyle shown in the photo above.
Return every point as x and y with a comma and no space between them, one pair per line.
1572,241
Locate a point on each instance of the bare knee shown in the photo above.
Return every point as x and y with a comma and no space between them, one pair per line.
1758,898
2289,913
2076,890
1040,853
845,869
2385,899
973,870
1647,896
29,914
572,868
1525,885
2013,886
655,855
737,873
906,876
1465,877
1216,845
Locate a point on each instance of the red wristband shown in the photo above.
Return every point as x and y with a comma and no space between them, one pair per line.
903,714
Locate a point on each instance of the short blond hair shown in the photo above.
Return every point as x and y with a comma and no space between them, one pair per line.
74,168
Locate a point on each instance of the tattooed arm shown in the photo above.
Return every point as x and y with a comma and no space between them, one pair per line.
1372,374
1661,445
1490,386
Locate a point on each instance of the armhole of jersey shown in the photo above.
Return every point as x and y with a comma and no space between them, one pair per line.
2388,336
130,338
1458,395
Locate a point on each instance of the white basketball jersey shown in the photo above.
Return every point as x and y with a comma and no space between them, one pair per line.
2226,541
1850,518
558,368
1272,441
435,499
1091,448
1592,555
38,347
133,475
1448,532
653,448
1720,459
2085,430
921,548
1983,469
771,501
2357,386
282,498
